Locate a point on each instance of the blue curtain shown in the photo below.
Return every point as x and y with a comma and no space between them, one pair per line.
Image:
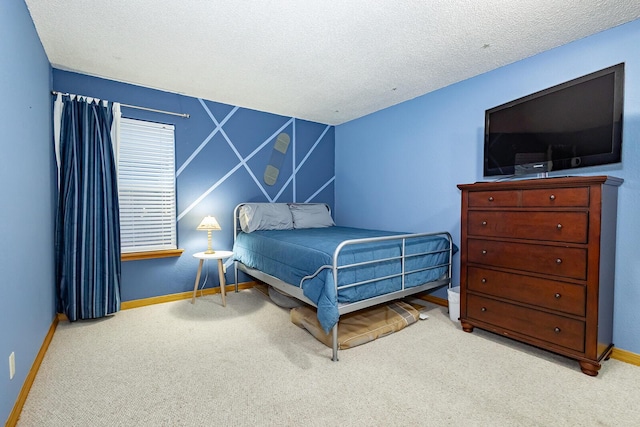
88,224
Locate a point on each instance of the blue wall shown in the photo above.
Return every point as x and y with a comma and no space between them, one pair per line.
27,304
220,149
398,168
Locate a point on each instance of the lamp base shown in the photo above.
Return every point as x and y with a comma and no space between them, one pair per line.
209,249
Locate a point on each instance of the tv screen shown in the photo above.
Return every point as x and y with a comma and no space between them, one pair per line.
571,125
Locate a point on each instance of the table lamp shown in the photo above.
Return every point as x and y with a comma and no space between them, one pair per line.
209,223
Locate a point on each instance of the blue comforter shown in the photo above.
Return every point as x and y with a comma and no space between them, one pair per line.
290,255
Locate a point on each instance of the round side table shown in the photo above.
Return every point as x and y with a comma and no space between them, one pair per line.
219,255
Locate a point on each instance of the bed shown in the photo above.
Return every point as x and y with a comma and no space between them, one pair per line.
297,249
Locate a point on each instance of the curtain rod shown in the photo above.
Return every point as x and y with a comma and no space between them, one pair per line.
153,110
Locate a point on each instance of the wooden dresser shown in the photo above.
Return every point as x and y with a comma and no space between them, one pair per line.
538,262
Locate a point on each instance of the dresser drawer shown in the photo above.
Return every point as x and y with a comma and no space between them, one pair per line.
555,226
552,260
560,296
556,197
552,197
558,330
494,198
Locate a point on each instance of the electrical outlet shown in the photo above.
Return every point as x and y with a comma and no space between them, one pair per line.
12,365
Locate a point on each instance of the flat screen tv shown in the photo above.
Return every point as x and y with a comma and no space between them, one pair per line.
572,125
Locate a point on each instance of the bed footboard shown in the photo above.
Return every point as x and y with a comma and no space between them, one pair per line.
413,265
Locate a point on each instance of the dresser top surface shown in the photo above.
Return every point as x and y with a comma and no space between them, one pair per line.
556,182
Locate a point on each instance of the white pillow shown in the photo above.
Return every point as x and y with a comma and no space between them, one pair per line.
311,215
265,216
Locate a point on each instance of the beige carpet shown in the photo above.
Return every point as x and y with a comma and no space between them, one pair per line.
178,364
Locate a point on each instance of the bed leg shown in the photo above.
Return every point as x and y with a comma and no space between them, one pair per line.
335,343
235,274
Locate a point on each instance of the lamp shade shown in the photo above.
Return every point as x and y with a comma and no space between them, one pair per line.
209,223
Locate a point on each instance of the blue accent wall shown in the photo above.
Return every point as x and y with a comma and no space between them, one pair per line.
222,152
398,168
27,303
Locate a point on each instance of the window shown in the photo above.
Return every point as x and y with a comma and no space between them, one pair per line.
146,186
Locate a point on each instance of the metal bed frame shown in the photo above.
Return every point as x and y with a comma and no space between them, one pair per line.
344,308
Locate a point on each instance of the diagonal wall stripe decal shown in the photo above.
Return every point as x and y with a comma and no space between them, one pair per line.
206,193
293,169
217,129
302,162
260,147
195,152
243,162
320,189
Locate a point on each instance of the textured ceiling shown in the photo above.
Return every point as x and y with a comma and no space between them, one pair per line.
328,61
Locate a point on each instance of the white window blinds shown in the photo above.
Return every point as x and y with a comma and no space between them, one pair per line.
146,186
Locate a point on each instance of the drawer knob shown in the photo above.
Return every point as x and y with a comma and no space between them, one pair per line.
558,261
484,222
557,295
483,309
491,198
556,330
483,280
484,252
552,197
559,226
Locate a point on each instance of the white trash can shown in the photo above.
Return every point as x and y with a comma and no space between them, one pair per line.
454,303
